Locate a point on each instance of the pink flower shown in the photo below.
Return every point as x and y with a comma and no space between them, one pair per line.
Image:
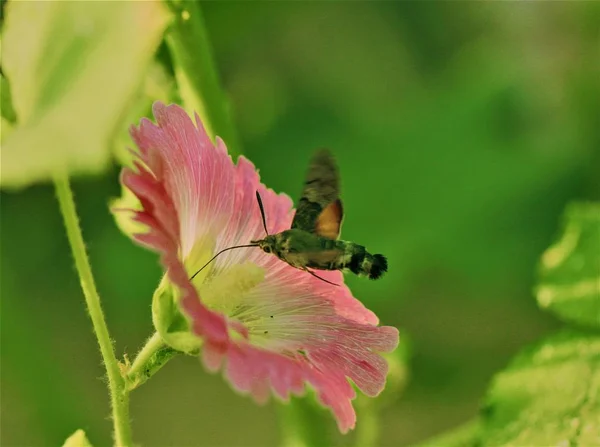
267,325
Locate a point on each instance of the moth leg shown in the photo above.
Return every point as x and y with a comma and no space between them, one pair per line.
317,276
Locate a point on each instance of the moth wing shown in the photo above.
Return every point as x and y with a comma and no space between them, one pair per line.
321,190
329,222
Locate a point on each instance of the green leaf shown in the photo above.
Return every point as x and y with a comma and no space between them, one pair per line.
158,85
77,439
73,68
569,283
549,395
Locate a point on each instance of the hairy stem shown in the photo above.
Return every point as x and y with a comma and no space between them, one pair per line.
119,396
149,360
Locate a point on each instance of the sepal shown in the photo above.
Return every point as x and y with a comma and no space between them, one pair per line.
169,322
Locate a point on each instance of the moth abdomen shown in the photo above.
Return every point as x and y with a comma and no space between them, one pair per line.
363,263
378,266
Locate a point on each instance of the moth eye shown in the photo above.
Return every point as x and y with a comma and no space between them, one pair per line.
267,249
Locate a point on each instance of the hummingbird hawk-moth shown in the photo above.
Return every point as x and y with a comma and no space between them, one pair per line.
312,241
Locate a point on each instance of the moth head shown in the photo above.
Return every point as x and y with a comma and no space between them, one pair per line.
267,244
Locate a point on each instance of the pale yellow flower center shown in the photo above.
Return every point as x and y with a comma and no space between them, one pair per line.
197,258
226,291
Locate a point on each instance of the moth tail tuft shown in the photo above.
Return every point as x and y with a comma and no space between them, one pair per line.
379,266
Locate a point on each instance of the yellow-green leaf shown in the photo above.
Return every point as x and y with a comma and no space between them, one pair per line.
73,68
549,395
158,85
569,283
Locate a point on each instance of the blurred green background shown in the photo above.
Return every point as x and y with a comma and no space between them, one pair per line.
461,130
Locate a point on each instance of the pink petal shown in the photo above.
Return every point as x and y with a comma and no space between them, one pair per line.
248,365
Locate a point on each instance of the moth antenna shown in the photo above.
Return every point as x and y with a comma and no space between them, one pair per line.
322,279
224,250
262,212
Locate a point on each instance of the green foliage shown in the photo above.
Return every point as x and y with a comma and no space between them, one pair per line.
549,395
569,283
77,439
73,68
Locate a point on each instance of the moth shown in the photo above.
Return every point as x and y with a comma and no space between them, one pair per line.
313,241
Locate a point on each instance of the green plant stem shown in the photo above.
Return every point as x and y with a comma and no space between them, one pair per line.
116,384
303,423
153,344
367,428
149,360
196,71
